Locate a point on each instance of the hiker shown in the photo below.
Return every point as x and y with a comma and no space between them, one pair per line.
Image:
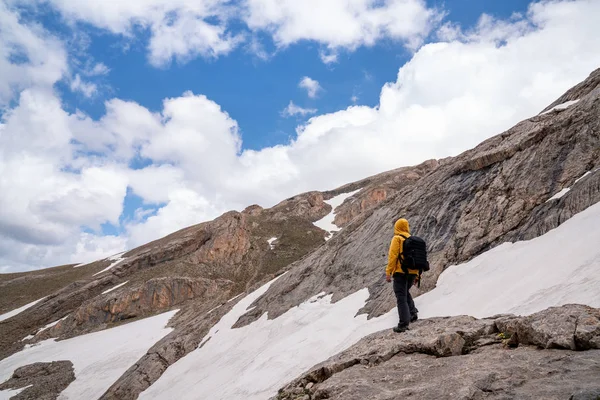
403,278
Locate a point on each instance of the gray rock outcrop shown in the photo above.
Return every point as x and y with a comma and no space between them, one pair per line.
41,381
465,358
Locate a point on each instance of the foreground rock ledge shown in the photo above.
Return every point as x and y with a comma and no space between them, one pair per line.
553,354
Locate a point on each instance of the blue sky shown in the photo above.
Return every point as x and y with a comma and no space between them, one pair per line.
124,121
255,91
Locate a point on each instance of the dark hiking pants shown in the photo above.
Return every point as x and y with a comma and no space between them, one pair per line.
406,305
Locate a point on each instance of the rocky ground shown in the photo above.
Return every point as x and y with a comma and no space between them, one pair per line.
41,381
554,354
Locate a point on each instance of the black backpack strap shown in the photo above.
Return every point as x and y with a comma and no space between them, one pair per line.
401,255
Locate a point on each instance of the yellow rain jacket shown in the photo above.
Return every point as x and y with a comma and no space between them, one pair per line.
400,228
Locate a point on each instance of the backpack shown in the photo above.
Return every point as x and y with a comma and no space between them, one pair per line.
414,255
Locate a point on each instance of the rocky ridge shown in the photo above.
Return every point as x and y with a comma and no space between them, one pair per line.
553,354
497,192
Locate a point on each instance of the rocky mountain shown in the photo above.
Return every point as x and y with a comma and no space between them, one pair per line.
265,294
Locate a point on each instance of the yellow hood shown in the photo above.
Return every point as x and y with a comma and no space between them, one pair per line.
401,227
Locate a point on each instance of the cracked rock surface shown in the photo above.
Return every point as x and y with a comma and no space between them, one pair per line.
42,381
553,354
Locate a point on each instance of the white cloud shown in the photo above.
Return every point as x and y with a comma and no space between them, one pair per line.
88,89
90,247
312,86
183,29
293,110
185,207
187,37
28,56
98,69
328,57
180,29
342,23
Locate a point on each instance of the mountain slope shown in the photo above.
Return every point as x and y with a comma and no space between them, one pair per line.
494,193
503,190
263,355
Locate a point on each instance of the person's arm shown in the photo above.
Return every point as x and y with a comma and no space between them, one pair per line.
392,258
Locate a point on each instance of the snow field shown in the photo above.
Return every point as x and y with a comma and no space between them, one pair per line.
522,278
266,354
99,358
560,267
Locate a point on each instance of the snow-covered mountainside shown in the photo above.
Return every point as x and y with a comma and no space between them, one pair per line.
243,305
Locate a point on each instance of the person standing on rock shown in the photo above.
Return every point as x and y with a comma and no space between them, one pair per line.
403,278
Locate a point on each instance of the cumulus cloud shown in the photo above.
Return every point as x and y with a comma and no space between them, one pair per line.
179,29
28,56
183,29
341,23
312,86
292,110
451,95
187,37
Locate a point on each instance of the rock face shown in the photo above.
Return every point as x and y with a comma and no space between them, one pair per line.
466,358
496,192
377,189
42,381
154,296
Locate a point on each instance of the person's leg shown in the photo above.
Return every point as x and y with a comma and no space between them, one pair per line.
411,304
401,291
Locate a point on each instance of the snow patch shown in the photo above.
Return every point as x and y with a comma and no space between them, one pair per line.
19,310
7,394
270,241
566,190
583,176
266,354
114,287
326,223
235,297
213,309
27,338
524,277
561,106
116,260
98,358
559,194
51,324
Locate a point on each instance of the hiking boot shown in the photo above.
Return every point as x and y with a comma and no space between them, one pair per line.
400,328
414,317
